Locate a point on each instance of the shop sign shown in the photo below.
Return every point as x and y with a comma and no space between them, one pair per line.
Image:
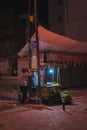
33,44
66,57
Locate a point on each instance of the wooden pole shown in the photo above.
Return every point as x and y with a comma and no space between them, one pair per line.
37,41
29,51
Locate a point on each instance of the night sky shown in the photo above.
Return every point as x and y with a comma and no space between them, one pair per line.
21,7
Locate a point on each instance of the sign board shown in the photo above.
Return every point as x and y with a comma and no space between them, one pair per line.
65,57
33,44
34,62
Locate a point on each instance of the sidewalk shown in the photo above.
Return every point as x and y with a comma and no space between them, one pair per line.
42,117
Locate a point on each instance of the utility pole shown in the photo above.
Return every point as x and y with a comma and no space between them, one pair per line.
37,41
33,19
29,50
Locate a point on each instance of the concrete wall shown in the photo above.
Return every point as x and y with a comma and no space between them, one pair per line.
55,11
76,20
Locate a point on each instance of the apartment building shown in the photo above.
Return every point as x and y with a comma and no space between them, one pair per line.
69,18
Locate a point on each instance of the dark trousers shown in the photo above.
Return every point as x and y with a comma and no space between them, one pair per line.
24,93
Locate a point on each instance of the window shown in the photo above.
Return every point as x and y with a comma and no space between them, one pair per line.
60,18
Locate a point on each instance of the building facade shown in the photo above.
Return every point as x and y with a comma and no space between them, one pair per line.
69,18
12,38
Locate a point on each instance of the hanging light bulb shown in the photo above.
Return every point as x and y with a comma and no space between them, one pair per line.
51,70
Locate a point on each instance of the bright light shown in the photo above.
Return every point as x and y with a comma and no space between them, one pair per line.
51,70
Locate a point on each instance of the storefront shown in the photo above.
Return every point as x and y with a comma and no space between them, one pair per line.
62,60
68,69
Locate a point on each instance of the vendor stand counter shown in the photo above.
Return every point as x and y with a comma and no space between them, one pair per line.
50,93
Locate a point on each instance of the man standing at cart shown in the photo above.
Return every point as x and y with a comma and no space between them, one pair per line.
23,84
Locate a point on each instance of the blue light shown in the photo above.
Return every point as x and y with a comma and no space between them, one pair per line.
51,70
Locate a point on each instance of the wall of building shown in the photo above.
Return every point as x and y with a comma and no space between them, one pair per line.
73,15
4,67
12,38
56,16
12,28
76,20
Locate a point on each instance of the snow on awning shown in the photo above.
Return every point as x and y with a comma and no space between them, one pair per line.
50,41
53,41
66,48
